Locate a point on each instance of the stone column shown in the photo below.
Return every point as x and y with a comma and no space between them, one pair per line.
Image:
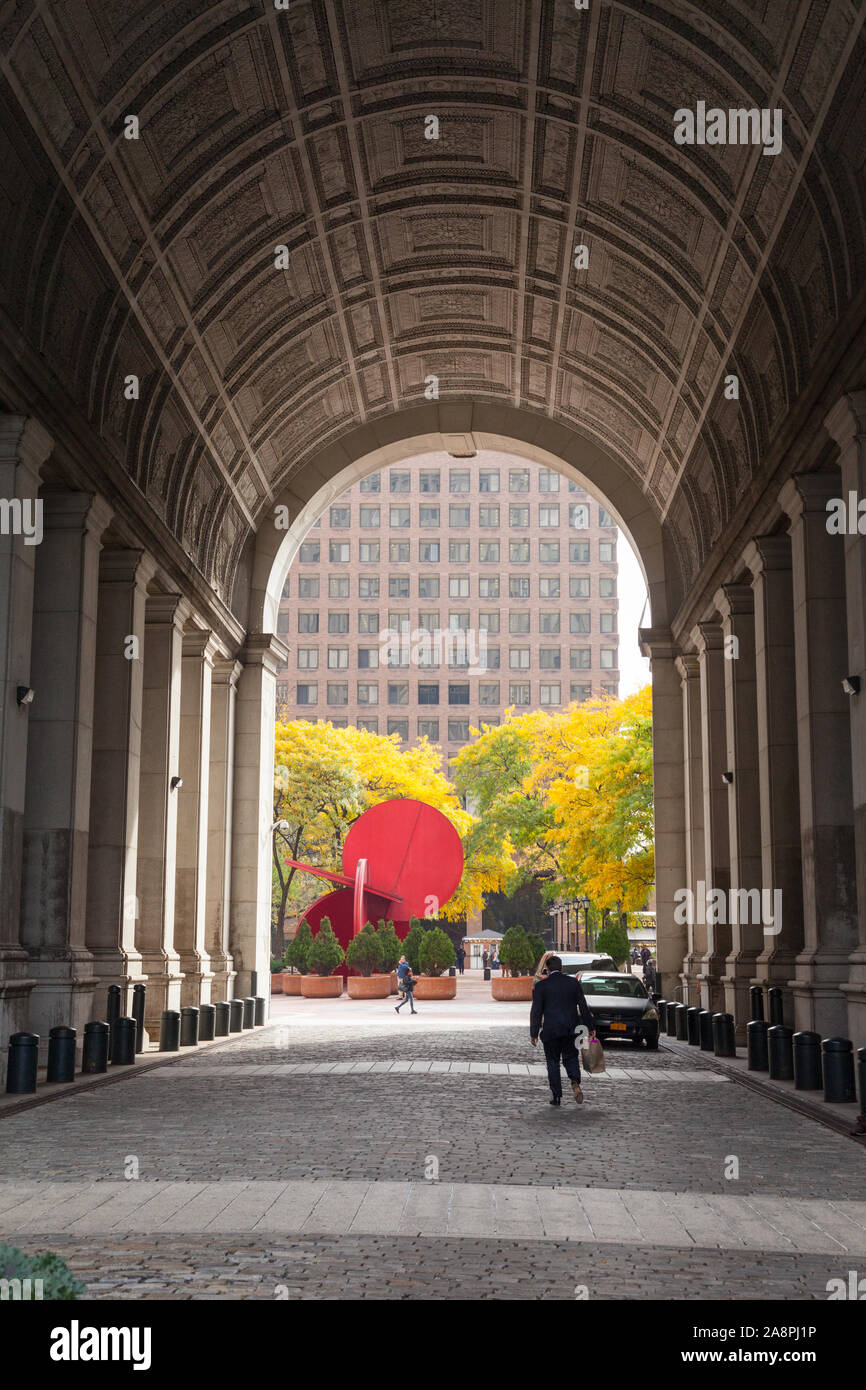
199,648
24,447
669,805
226,672
253,812
708,640
769,560
165,615
736,604
112,902
60,745
846,423
693,783
824,740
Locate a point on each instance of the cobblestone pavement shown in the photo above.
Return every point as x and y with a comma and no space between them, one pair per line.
235,1114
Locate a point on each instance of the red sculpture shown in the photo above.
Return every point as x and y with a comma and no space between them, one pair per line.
401,859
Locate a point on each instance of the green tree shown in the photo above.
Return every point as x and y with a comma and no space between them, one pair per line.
412,944
325,952
392,946
298,948
436,952
364,951
515,952
536,949
613,941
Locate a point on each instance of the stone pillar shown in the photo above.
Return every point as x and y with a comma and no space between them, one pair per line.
824,741
165,615
669,805
693,784
736,604
199,648
112,902
24,447
219,846
57,807
253,811
769,560
846,423
708,640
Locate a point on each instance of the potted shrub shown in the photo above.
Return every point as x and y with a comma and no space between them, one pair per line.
392,950
412,945
323,957
364,953
517,956
296,958
276,977
435,956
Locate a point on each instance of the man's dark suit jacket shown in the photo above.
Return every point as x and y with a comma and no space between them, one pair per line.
558,1005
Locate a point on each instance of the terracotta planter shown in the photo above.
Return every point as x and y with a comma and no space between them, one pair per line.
276,983
321,986
518,987
369,986
436,987
393,978
292,984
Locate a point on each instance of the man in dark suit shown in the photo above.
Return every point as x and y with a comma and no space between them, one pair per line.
558,1005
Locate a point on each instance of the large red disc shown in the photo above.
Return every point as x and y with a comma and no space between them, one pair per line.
412,851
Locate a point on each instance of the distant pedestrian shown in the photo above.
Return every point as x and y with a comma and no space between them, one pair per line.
558,1004
484,959
494,963
461,959
406,985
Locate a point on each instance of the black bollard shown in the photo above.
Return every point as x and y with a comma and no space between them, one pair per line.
839,1070
781,1052
672,1018
487,972
236,1016
221,1022
682,1029
693,1027
808,1075
756,997
777,1013
169,1031
123,1042
249,1012
61,1054
756,1044
260,1010
254,983
662,1007
206,1018
861,1076
188,1025
94,1057
139,998
723,1036
112,1013
23,1059
705,1029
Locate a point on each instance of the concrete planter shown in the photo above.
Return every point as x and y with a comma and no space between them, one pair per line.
292,984
393,978
276,983
518,988
368,987
321,986
435,987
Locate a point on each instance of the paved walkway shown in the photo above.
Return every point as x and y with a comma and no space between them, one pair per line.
347,1152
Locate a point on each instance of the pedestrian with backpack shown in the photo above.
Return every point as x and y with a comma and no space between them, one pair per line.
406,985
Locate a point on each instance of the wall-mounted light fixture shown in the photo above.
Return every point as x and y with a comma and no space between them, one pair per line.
728,777
851,685
176,783
24,695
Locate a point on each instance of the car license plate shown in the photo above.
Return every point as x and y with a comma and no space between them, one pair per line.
619,1027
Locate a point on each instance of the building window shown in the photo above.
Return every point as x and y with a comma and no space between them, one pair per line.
458,693
398,692
458,730
488,515
488,622
549,587
369,552
457,515
310,552
400,727
518,552
518,693
548,552
548,480
518,517
488,480
548,622
578,516
398,621
579,586
339,552
488,586
609,689
429,728
580,622
370,724
580,692
458,552
368,692
518,480
488,693
341,517
399,482
518,658
282,623
459,480
605,518
338,622
372,484
370,518
338,658
400,517
428,516
308,694
493,657
518,622
518,586
428,586
488,552
428,622
398,552
308,622
428,552
338,586
578,552
398,586
580,658
368,622
308,586
550,658
607,552
458,622
607,622
308,658
428,694
608,658
368,586
368,658
551,694
607,586
287,588
458,587
548,516
428,480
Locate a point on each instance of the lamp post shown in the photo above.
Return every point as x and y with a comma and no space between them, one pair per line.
584,903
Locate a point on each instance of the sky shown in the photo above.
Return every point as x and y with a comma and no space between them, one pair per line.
634,668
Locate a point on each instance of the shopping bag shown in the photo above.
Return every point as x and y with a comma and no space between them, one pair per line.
592,1057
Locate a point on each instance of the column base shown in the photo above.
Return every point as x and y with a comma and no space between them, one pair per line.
775,971
16,984
197,987
115,967
710,986
62,995
164,982
737,981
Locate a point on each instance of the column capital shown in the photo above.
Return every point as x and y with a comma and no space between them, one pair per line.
263,649
226,670
120,566
657,643
689,666
166,608
809,493
765,553
201,643
707,636
734,601
71,511
23,440
846,420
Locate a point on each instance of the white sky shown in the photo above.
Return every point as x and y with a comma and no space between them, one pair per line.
634,668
